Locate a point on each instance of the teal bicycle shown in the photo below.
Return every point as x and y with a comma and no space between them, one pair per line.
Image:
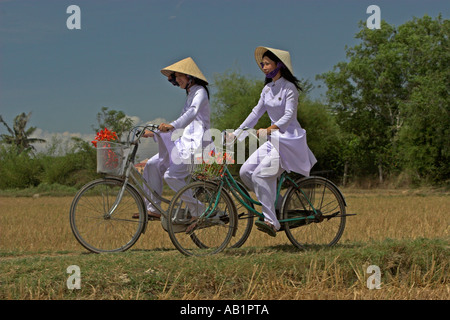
312,210
109,214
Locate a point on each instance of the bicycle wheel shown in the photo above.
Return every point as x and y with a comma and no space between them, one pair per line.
325,227
212,232
94,228
245,218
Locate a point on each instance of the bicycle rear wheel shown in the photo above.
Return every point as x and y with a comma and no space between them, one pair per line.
307,227
212,232
94,228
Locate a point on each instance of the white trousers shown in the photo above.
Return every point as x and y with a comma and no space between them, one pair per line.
260,174
167,166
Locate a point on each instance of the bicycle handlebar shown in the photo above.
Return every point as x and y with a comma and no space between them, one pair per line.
139,132
241,131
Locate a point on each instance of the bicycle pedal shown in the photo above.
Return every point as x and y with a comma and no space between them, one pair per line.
153,218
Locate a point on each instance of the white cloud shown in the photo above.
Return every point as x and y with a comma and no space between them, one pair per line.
136,120
59,143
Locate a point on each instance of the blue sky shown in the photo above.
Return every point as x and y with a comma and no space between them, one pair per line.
64,77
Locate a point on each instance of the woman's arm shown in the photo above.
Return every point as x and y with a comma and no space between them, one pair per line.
200,99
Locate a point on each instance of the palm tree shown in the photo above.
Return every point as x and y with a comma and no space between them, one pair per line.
18,135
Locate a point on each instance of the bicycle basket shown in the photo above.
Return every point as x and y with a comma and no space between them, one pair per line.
111,158
211,168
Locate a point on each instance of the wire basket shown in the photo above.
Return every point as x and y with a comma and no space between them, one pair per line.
111,158
211,168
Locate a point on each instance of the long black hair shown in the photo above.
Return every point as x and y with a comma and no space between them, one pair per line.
285,73
202,83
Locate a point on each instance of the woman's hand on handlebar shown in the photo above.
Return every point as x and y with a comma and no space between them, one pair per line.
148,134
164,127
266,131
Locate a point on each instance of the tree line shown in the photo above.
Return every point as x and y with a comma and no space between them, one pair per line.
21,167
386,114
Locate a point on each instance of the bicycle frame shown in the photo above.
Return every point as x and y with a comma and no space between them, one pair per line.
227,177
240,195
138,181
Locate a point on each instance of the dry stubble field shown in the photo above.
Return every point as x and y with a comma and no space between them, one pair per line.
35,237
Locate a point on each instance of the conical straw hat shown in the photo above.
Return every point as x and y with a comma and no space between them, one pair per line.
284,56
186,66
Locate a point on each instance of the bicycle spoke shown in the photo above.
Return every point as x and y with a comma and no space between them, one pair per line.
317,198
213,230
97,231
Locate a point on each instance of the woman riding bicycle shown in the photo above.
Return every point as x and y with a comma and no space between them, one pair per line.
175,151
286,148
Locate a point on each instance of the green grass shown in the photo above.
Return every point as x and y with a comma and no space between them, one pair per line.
404,232
410,269
43,189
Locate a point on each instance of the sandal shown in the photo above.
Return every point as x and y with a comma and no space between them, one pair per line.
266,227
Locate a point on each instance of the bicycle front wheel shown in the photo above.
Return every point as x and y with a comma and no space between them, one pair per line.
245,216
314,212
216,219
100,232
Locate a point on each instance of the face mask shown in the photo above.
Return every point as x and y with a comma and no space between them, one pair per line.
273,73
172,80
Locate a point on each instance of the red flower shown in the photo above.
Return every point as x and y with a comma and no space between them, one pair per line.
104,135
110,159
